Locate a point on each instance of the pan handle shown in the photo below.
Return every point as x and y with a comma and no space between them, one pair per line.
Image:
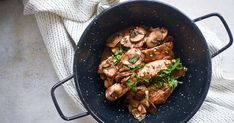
56,102
226,27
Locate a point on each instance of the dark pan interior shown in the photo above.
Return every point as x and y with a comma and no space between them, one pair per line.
189,45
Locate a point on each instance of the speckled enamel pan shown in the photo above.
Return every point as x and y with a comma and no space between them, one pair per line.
189,45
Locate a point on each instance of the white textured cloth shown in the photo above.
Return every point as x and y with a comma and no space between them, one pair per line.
57,17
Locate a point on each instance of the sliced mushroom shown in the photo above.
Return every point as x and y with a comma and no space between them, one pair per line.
110,71
122,75
139,113
137,107
124,68
108,82
104,64
114,40
139,44
107,67
132,57
137,34
125,41
156,37
116,91
124,80
163,51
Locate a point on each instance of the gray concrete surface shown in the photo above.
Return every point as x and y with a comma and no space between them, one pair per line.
26,72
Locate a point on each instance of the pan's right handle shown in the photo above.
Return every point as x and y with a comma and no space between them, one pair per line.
226,27
56,102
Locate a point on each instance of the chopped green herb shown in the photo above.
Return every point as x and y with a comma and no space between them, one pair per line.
172,82
159,85
135,68
126,67
177,65
165,51
132,85
165,77
117,56
139,79
133,59
147,80
167,74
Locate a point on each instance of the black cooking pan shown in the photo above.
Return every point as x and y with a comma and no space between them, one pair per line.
189,45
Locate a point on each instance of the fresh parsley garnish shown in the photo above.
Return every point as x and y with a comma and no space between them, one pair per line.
133,59
147,80
165,77
177,65
132,85
167,74
117,56
135,68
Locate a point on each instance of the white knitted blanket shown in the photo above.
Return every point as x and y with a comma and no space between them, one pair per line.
57,17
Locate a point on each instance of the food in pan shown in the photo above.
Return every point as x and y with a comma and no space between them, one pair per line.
139,65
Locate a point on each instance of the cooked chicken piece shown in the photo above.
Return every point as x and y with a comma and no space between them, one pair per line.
159,96
137,34
104,64
132,57
116,91
156,37
107,68
114,40
180,73
152,68
163,51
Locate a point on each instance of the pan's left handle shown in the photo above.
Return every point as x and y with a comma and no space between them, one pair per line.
56,102
226,28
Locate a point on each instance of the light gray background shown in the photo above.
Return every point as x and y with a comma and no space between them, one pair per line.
26,72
